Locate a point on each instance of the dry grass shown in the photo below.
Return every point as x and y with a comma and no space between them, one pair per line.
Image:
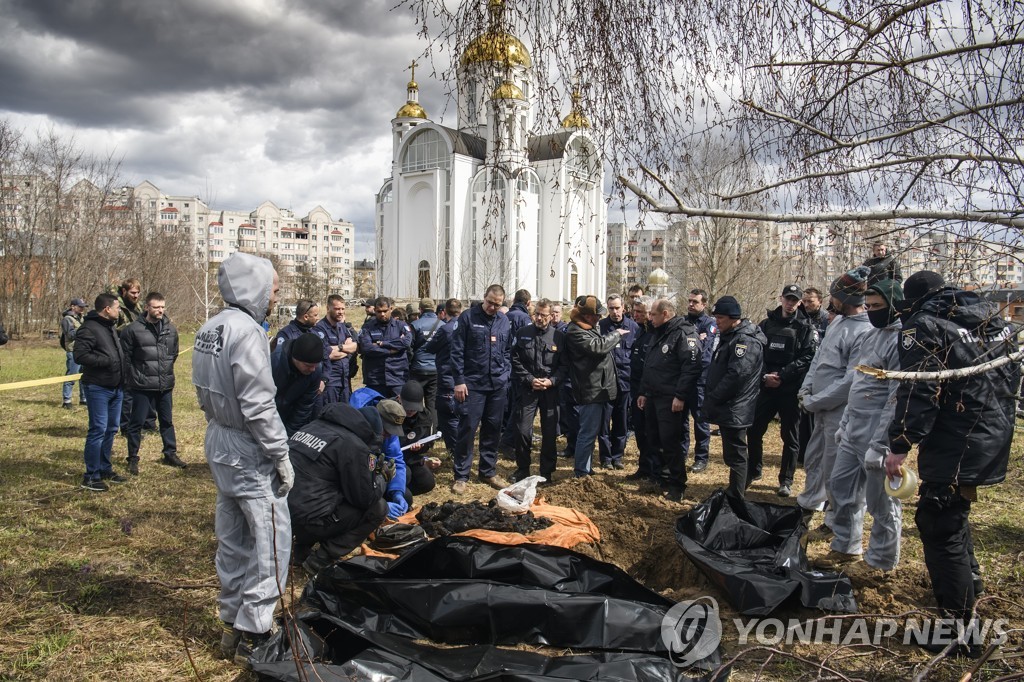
121,585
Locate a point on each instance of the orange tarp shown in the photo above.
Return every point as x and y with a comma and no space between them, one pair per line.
568,528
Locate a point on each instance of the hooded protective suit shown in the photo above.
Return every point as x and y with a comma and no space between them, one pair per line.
246,446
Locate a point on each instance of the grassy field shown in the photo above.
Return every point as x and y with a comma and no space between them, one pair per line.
121,585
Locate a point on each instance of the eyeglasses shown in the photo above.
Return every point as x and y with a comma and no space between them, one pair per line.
302,307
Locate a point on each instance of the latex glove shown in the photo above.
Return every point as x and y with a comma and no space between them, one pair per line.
287,475
840,434
396,504
874,459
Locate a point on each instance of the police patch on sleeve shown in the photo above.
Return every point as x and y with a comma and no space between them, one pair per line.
664,348
908,338
692,343
411,435
455,325
740,350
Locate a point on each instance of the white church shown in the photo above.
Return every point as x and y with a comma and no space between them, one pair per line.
491,201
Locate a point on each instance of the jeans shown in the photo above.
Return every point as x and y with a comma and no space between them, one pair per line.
590,426
73,368
104,406
143,403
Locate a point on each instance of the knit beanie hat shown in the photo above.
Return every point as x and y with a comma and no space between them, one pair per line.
308,348
850,287
920,284
727,305
889,290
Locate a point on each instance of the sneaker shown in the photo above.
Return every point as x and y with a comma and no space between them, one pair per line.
229,639
674,494
95,485
133,467
605,464
699,466
67,406
756,477
172,460
82,402
784,491
716,432
495,481
113,477
459,487
520,474
618,465
836,561
249,642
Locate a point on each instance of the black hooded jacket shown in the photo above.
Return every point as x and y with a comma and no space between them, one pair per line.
673,363
790,346
98,351
964,427
734,379
334,459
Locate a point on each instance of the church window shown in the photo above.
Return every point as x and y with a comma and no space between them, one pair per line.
424,151
423,280
471,115
386,195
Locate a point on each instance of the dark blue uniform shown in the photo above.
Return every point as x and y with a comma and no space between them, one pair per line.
568,410
337,389
440,344
385,349
536,355
611,439
423,368
518,317
292,330
480,359
296,392
707,331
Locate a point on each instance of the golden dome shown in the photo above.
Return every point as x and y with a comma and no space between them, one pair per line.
658,277
508,90
576,117
496,46
411,110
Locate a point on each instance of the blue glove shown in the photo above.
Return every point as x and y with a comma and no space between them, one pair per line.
396,504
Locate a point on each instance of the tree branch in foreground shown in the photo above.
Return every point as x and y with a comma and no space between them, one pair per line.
941,375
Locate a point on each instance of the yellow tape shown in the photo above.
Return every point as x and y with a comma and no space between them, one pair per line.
51,380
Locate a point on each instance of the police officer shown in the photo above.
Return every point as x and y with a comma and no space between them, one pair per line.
537,370
669,382
481,342
649,462
384,343
306,314
297,370
734,381
963,427
611,442
707,332
518,317
787,356
339,346
423,367
440,344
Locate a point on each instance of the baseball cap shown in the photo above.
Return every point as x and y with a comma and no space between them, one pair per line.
792,291
412,396
80,302
426,304
392,415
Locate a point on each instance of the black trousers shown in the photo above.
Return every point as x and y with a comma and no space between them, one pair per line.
126,413
701,429
429,384
943,521
649,463
509,421
341,532
666,431
568,416
528,404
611,439
771,402
144,403
734,452
419,480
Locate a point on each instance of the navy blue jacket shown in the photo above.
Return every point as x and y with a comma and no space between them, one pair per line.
518,316
335,371
377,342
423,329
707,331
638,354
296,392
621,355
481,350
440,345
536,354
290,331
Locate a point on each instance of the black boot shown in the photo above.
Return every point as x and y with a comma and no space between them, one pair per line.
133,466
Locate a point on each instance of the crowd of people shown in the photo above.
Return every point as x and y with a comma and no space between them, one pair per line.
296,454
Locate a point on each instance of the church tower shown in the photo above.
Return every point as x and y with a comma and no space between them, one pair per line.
409,116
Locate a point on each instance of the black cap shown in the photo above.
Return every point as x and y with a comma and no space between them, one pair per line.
727,305
792,291
919,285
412,396
308,348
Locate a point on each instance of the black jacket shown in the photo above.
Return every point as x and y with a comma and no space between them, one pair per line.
334,459
3,334
296,392
886,267
638,354
537,354
673,364
415,428
791,342
98,351
588,358
150,352
734,379
963,426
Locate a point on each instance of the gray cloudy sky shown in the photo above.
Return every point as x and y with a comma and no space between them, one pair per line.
236,101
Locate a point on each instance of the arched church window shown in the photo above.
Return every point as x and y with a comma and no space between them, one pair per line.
574,277
423,279
386,195
526,181
426,149
582,161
